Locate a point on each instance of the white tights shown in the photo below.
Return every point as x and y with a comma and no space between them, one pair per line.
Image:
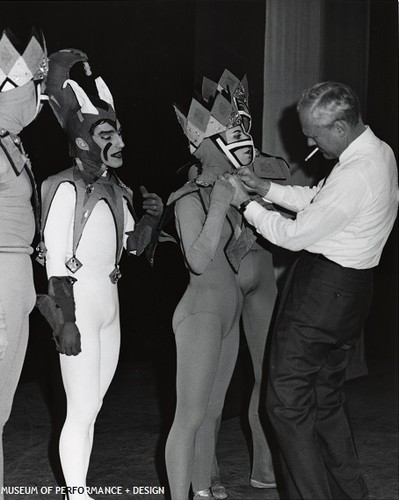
88,375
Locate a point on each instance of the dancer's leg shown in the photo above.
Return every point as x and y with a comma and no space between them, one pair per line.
109,355
259,301
81,378
198,346
17,299
205,441
86,378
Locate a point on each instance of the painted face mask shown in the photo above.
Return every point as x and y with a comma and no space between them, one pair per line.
236,145
107,136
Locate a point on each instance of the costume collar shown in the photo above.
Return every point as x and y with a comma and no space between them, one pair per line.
89,170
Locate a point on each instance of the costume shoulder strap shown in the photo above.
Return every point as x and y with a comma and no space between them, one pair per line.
12,152
49,188
126,193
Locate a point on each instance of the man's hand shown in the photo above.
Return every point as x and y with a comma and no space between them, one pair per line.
152,203
252,182
240,192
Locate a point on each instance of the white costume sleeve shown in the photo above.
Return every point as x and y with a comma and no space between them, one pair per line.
58,231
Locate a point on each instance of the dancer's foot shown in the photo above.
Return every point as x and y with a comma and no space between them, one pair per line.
219,491
260,484
203,495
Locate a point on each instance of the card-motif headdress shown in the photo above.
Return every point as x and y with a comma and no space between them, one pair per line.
238,90
18,67
221,106
75,110
218,110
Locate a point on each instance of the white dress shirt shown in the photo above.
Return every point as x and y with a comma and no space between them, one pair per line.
347,217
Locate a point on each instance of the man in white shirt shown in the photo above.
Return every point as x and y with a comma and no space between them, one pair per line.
341,225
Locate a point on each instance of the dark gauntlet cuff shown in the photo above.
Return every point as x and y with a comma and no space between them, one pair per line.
60,289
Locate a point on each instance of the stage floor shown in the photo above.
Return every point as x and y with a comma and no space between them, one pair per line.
132,427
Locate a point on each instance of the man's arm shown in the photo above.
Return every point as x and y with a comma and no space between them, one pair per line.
294,198
332,209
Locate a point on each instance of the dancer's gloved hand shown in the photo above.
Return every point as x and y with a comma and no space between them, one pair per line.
67,335
240,192
140,238
68,340
152,203
222,193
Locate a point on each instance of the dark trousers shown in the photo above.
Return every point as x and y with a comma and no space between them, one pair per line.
322,312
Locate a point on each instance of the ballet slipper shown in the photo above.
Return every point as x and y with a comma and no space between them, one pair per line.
219,491
259,484
203,495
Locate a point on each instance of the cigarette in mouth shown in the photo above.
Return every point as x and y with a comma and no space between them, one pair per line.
311,154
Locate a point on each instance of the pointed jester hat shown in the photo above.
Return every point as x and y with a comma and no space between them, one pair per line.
22,69
221,106
76,112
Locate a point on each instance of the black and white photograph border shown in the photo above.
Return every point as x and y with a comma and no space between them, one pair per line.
153,54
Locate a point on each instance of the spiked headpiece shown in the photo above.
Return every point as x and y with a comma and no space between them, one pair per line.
221,106
238,89
18,67
75,110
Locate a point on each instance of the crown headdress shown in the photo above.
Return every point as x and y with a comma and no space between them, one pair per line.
219,110
17,67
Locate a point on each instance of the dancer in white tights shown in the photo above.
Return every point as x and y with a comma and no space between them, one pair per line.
88,218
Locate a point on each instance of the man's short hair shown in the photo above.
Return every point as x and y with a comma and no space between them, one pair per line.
329,102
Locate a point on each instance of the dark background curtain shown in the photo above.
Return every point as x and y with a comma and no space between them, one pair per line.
285,46
153,54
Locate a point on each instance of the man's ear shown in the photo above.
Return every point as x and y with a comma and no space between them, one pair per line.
341,127
81,144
